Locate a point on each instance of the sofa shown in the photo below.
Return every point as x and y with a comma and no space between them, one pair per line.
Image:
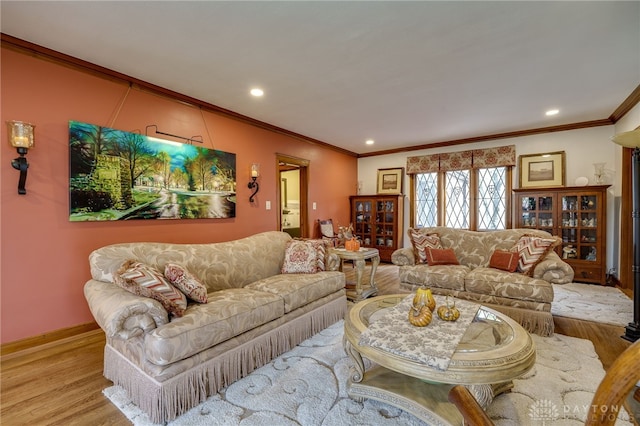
478,276
255,310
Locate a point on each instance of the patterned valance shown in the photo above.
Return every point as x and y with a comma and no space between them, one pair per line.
501,156
423,164
456,160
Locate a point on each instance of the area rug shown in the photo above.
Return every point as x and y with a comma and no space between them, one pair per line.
607,305
307,386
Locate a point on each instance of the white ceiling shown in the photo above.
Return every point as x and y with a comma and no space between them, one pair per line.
401,73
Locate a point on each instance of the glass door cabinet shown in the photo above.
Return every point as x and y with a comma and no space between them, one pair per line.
575,214
377,222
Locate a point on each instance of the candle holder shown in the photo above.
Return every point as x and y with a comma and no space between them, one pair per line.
255,172
21,137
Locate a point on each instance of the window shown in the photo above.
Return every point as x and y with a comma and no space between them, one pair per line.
456,199
468,190
492,198
426,196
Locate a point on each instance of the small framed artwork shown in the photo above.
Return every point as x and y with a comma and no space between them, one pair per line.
542,170
390,180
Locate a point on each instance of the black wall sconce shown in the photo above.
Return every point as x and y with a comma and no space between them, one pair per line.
255,172
21,137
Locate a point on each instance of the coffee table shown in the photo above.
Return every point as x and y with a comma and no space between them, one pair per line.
359,257
493,351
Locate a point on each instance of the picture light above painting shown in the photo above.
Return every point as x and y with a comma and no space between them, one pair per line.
118,175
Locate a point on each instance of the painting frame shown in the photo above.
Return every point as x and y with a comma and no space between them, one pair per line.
115,175
546,170
390,181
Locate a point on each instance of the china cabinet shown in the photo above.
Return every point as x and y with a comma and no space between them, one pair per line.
575,214
377,222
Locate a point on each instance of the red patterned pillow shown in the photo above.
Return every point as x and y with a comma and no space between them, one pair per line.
421,242
321,247
300,257
531,251
505,260
185,282
441,257
147,281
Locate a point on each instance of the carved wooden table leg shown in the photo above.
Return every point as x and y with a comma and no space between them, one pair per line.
375,261
359,263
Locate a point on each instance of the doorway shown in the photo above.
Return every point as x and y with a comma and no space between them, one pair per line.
292,195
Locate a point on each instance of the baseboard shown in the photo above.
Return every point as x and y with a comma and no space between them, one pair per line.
42,339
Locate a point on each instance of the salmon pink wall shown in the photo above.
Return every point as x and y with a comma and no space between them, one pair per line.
43,256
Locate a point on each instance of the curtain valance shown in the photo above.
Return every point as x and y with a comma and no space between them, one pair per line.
462,160
423,164
501,156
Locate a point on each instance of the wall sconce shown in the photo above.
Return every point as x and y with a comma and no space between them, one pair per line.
21,137
255,172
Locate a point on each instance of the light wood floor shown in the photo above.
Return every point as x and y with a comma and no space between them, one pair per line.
61,384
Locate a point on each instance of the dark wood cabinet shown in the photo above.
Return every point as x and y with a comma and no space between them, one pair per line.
377,222
578,215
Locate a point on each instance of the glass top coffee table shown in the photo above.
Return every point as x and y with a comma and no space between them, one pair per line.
493,351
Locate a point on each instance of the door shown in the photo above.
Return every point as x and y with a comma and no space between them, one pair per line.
292,196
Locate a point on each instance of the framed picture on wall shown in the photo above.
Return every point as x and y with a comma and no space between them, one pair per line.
542,170
390,180
167,180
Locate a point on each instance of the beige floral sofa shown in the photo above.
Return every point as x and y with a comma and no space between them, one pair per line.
525,297
253,313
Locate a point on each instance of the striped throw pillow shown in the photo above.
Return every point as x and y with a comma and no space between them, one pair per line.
531,251
144,280
421,242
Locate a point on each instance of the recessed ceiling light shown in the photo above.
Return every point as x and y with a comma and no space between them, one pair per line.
257,92
370,142
552,112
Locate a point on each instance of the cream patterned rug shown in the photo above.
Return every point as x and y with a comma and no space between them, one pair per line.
307,386
607,305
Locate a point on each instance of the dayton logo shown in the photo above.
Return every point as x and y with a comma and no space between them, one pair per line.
543,411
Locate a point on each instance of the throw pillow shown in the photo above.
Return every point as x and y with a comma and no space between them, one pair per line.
321,253
185,282
531,251
147,281
300,257
421,242
505,260
441,257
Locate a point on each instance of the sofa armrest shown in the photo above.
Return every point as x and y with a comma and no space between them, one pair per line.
403,256
554,270
333,262
122,314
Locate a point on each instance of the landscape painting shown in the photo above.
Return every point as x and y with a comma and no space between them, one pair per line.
118,175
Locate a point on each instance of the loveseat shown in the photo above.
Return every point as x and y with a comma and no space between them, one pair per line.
254,311
525,296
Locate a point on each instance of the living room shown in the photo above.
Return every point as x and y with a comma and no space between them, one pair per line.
44,255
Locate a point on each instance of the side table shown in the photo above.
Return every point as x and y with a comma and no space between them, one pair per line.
359,258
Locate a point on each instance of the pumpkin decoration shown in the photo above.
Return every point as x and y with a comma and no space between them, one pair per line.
424,297
352,245
448,312
420,317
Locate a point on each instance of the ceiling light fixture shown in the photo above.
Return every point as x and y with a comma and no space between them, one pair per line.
552,112
370,142
257,92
